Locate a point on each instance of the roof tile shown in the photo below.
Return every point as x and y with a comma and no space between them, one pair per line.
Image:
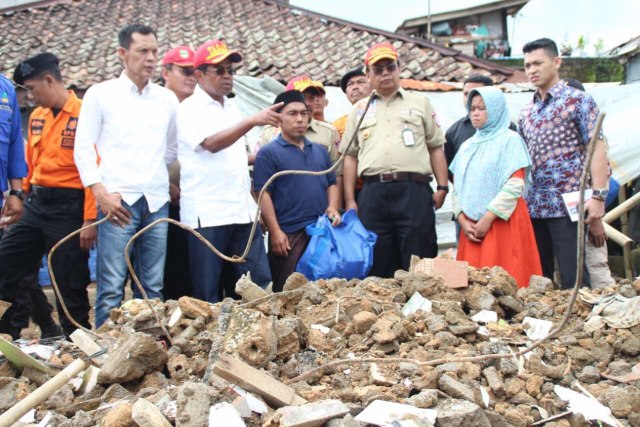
275,39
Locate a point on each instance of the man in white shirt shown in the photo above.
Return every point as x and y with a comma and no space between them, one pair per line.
215,187
130,122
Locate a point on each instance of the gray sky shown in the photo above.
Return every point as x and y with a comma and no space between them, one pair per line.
615,21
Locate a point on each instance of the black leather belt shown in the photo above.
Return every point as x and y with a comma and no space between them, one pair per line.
56,193
397,176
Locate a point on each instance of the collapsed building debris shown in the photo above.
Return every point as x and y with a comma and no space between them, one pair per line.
266,355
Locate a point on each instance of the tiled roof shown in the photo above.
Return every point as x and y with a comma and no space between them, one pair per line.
276,39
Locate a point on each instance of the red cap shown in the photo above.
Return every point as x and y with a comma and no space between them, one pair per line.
179,55
214,52
380,51
303,83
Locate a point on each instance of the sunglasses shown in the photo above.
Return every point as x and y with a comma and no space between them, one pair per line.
187,71
379,69
220,70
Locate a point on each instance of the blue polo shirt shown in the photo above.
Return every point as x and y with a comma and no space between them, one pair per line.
298,199
12,163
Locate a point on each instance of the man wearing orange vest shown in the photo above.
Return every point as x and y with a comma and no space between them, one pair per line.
57,203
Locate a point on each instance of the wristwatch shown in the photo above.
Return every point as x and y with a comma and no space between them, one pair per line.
600,194
444,188
18,193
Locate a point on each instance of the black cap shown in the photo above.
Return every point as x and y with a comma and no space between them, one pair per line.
34,66
288,97
358,71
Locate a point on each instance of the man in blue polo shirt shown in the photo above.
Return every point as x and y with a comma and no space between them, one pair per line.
293,201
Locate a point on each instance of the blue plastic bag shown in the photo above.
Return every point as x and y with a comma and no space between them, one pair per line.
345,251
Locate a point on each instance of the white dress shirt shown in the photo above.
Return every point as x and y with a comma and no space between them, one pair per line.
134,133
215,188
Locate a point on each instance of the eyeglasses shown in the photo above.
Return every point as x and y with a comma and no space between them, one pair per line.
379,69
220,70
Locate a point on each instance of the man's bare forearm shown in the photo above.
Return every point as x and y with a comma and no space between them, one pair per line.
599,166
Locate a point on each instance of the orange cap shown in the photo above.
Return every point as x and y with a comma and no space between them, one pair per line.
378,51
181,56
303,83
214,52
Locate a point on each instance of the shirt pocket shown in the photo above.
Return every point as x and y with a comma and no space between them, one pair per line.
367,131
415,123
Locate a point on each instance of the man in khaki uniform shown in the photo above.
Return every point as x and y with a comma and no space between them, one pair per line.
398,148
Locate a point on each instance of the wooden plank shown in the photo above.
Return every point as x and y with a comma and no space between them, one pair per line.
19,358
87,345
251,379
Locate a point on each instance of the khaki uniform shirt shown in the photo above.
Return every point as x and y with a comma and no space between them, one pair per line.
319,132
383,141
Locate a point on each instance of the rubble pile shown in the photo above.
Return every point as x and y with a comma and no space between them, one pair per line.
146,381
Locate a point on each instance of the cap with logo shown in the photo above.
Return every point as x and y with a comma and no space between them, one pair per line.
378,51
303,83
34,66
181,56
214,52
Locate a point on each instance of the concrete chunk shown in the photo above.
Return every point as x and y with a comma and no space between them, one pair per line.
146,414
312,414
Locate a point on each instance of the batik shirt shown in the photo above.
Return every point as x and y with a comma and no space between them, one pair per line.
556,130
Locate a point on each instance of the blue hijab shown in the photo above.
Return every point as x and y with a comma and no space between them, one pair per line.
489,158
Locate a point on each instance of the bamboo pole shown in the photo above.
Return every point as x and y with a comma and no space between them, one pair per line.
622,208
41,394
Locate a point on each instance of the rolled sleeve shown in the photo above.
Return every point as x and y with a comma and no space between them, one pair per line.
87,134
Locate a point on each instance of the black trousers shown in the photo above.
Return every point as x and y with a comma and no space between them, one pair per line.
557,240
44,222
402,214
177,279
31,303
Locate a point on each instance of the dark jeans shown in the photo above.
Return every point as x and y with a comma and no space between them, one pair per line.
557,238
44,222
402,215
282,267
231,239
177,280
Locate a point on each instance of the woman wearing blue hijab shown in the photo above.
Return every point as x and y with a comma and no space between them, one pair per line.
490,173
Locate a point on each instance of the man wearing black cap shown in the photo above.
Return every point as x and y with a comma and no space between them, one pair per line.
57,204
295,201
356,86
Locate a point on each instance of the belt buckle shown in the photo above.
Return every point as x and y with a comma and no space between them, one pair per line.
388,177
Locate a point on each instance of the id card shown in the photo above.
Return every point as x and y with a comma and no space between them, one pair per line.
407,137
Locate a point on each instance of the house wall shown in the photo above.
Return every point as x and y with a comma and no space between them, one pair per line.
633,70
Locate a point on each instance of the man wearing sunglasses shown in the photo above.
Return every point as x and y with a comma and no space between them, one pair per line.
178,76
177,71
215,187
397,150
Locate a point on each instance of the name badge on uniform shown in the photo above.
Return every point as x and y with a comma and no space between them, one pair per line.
407,137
